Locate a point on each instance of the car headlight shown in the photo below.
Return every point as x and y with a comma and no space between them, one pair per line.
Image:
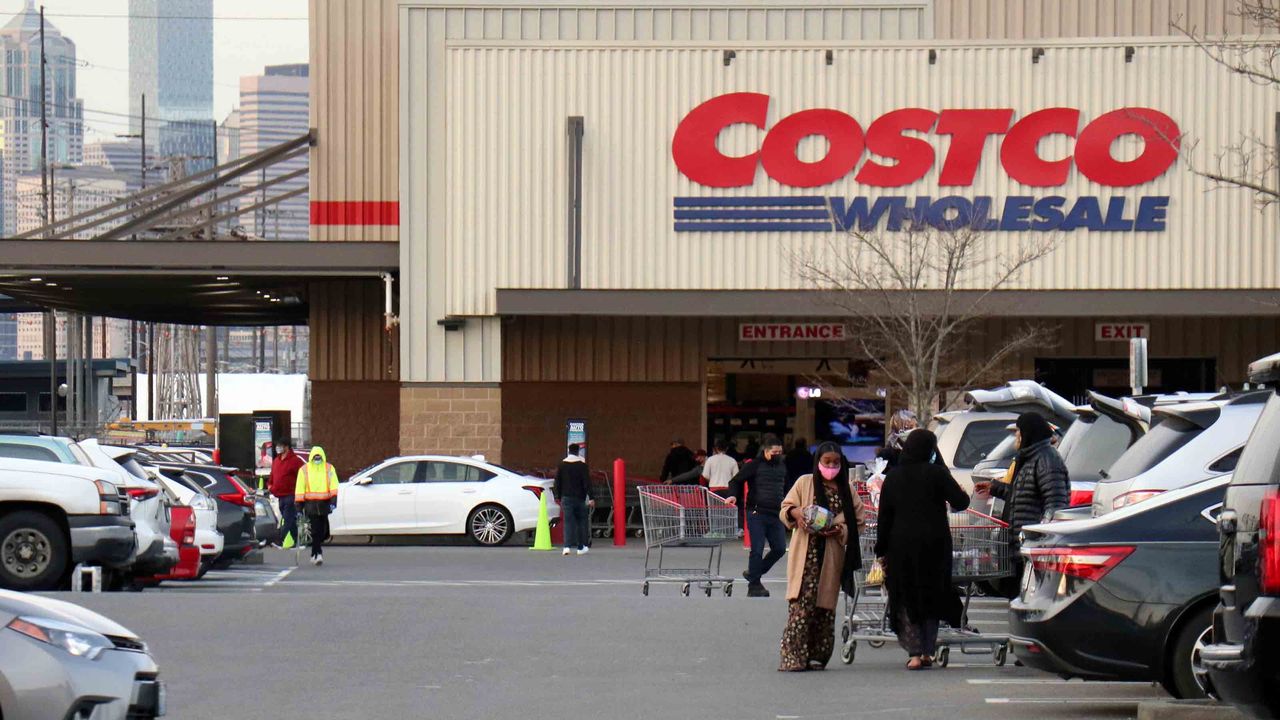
76,640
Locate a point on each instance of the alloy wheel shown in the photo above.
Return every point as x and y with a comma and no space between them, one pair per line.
489,526
1198,670
26,553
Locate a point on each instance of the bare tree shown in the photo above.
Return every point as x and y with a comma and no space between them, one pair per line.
912,298
1250,162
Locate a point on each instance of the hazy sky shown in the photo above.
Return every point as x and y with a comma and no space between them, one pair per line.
240,47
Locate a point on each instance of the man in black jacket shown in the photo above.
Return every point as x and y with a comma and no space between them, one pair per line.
573,488
766,483
679,461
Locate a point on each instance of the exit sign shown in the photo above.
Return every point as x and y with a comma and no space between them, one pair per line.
1120,332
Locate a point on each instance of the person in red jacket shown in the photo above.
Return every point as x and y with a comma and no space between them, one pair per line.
284,476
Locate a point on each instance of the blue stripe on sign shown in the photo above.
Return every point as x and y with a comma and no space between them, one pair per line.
779,201
752,227
735,214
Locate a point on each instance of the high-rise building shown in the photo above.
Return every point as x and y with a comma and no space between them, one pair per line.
124,157
30,337
20,103
229,137
274,108
8,336
72,191
171,62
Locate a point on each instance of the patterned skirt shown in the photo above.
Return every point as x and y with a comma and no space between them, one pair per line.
809,637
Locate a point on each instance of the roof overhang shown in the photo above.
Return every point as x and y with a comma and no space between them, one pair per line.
1101,304
204,282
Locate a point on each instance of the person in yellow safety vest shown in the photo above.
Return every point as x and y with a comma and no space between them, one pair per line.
316,495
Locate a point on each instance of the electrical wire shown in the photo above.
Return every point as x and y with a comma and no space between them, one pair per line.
173,17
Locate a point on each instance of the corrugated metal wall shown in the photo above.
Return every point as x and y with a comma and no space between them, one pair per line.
506,109
676,350
347,338
434,235
1034,19
355,99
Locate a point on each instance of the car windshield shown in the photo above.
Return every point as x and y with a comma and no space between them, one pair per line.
1260,462
1164,440
1092,445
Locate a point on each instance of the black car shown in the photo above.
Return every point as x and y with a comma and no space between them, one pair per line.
1243,660
1128,596
236,514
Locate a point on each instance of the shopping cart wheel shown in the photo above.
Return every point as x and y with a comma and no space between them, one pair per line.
1000,655
877,644
708,589
943,658
645,589
684,590
640,533
847,649
728,589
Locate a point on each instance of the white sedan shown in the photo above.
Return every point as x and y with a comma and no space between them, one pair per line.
439,495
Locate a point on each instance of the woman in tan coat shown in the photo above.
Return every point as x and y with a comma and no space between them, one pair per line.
818,561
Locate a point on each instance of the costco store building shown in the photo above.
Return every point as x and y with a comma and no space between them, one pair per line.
598,207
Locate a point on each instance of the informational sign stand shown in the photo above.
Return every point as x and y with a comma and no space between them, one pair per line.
1138,364
576,432
263,438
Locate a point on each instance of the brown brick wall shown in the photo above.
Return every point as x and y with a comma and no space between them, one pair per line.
451,421
634,421
356,422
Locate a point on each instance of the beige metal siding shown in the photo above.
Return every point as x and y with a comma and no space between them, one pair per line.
355,109
504,223
432,234
1044,19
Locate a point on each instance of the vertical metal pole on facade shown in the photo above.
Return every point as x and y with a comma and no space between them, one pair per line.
151,371
70,374
574,271
88,402
213,211
51,352
133,369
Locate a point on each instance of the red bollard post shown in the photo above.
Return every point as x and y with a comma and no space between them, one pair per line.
619,503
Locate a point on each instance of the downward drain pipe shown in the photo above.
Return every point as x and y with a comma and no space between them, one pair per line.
388,314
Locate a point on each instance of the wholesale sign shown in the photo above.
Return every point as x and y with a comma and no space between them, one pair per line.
856,152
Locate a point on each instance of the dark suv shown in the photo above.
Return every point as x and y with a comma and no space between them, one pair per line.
1243,662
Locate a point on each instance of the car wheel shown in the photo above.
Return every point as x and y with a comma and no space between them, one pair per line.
1185,675
33,552
490,525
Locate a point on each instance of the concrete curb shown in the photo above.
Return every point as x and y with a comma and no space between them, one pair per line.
1187,710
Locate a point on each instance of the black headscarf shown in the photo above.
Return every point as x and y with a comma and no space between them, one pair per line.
852,551
919,447
1034,428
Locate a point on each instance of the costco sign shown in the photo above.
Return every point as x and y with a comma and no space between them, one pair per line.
884,155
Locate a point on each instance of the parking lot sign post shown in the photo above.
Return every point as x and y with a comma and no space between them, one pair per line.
1137,364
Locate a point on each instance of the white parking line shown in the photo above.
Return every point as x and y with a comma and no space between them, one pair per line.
1064,701
1049,681
279,576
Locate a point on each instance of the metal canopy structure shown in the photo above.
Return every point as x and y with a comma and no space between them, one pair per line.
173,254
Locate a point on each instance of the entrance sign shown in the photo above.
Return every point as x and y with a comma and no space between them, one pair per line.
1120,332
792,332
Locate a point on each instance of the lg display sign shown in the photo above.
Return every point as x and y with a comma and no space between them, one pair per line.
854,152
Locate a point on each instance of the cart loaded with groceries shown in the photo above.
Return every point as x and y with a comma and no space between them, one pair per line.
980,551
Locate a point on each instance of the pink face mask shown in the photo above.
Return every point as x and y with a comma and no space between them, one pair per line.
828,473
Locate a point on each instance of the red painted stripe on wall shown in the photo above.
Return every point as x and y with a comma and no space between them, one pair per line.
355,212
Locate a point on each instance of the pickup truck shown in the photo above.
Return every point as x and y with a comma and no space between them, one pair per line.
54,516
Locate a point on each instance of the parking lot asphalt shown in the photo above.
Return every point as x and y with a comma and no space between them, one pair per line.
463,632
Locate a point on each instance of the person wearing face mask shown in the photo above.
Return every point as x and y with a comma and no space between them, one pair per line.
913,541
1040,485
766,482
819,562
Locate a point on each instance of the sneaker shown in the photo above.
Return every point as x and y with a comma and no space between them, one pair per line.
757,590
566,552
583,551
313,559
319,560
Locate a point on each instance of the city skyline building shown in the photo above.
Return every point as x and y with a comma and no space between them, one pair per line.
20,104
171,63
275,108
72,191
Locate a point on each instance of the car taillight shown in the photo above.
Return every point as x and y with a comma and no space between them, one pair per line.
1086,563
1269,544
1136,496
189,530
536,490
236,498
143,493
1080,498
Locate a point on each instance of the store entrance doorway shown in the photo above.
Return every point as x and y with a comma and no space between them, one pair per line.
1073,377
812,400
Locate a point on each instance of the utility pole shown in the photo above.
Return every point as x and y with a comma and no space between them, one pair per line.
51,352
44,128
151,371
213,211
142,134
211,372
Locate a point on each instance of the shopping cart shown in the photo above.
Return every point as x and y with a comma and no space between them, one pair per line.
687,516
980,551
603,516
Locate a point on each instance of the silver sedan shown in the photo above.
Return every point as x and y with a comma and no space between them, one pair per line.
61,660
